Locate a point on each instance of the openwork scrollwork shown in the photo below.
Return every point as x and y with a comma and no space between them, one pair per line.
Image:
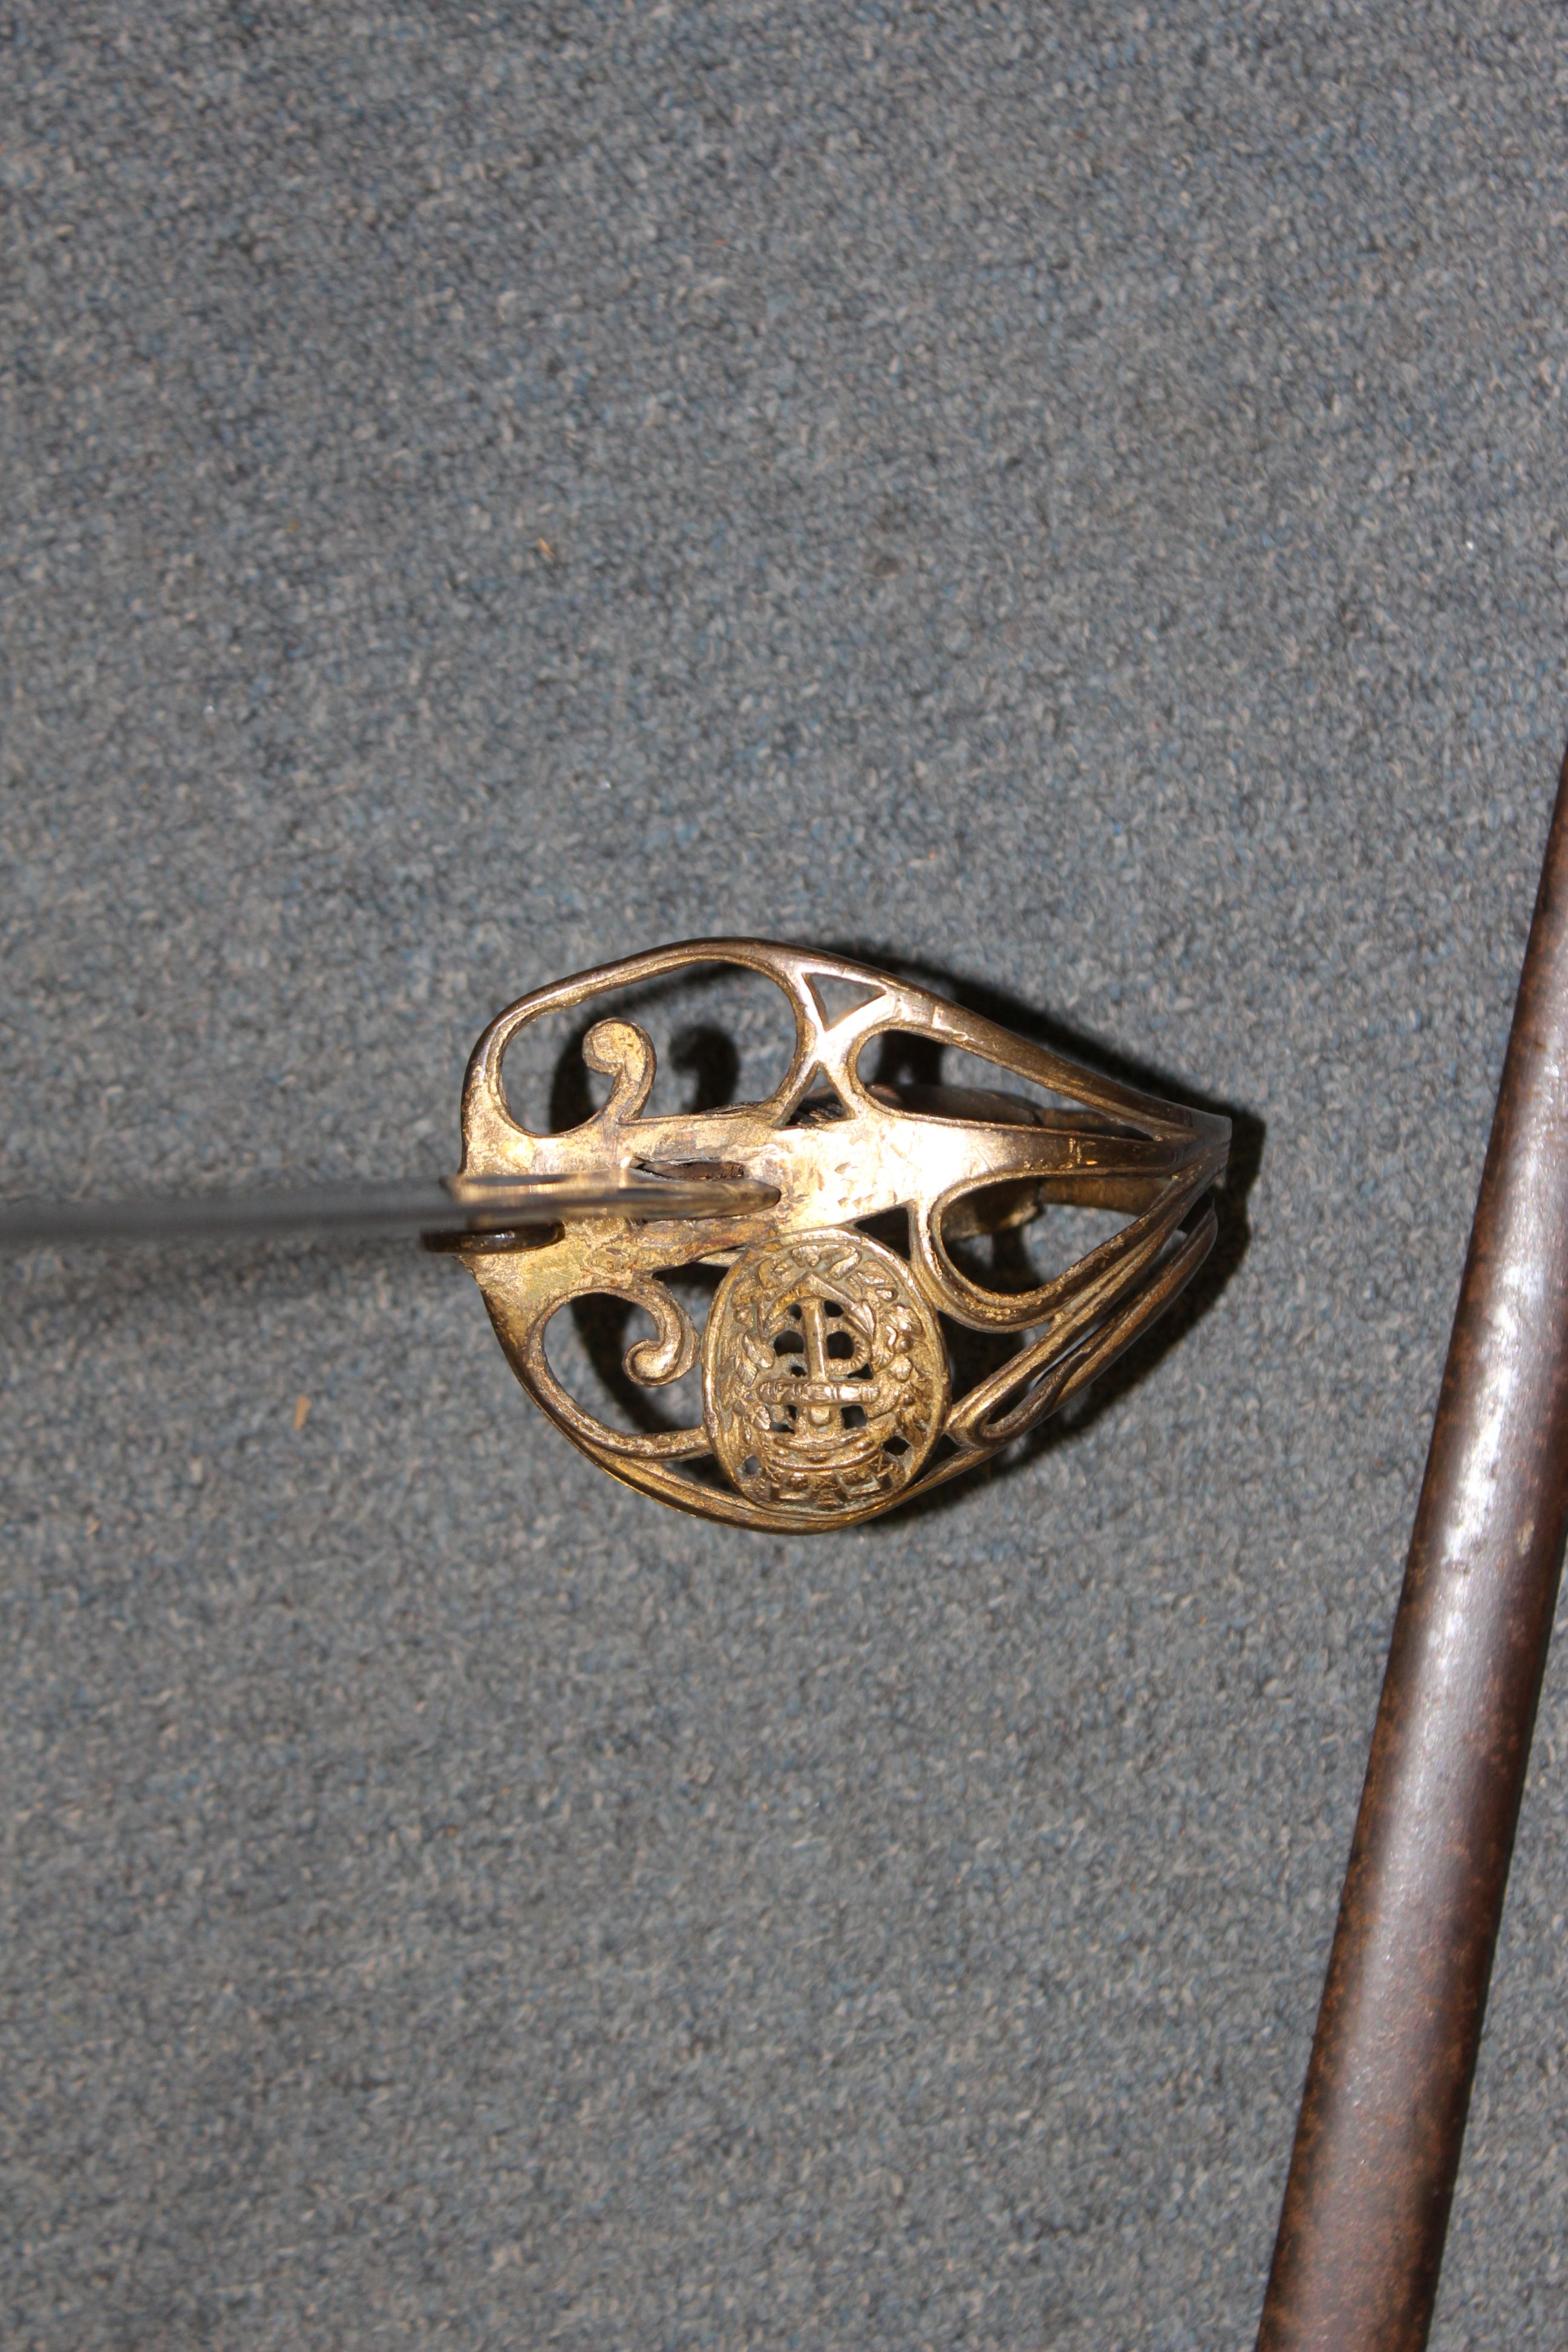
826,1375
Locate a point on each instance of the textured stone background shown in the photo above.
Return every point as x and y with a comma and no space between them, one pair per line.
1074,498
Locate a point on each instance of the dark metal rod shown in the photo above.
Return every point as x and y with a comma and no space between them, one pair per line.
1388,2087
467,1204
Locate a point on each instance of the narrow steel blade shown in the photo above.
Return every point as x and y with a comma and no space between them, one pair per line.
468,1204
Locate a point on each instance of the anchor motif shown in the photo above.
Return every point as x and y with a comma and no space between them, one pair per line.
825,1376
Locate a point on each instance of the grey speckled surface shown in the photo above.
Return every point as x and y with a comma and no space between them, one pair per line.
1076,501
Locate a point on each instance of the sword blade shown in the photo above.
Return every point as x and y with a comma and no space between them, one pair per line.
468,1204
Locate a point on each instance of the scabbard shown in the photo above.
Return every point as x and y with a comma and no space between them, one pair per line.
1383,2116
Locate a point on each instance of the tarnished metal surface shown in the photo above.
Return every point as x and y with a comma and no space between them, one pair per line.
1383,2118
858,1418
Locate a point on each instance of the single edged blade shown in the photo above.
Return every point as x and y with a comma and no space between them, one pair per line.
452,1205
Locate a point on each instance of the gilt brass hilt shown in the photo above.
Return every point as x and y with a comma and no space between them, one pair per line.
827,1373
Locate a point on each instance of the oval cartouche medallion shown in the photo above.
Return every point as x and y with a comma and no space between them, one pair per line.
824,1375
